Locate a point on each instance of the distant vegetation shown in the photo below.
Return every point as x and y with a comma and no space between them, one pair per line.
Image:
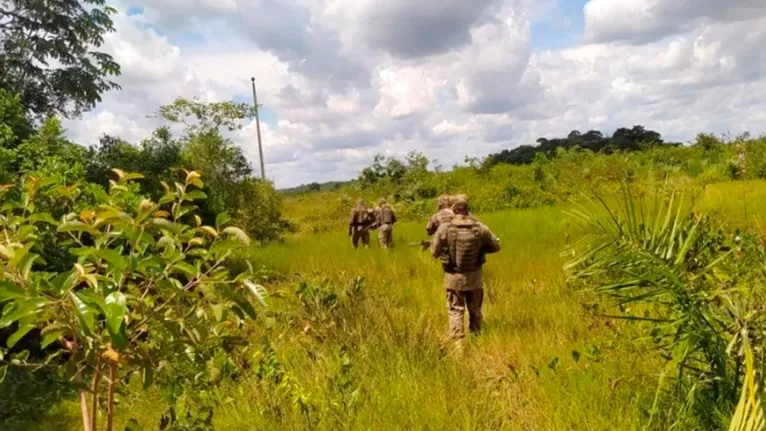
559,171
622,140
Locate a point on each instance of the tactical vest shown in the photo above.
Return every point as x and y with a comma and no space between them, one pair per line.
361,217
464,246
386,215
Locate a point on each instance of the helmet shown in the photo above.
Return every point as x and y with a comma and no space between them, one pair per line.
460,204
444,201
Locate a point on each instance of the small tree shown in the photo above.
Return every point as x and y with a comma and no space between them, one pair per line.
149,289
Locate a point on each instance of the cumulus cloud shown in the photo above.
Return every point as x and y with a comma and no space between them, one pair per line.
344,80
648,20
408,29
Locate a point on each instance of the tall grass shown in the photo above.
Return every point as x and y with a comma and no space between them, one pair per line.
353,338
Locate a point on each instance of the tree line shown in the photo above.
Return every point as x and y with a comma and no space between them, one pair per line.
625,139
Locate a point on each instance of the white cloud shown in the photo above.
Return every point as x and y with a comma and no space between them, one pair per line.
648,20
349,79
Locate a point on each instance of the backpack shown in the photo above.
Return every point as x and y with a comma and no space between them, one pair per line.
387,215
465,246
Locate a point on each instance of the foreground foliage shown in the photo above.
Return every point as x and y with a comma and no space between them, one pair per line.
149,294
699,291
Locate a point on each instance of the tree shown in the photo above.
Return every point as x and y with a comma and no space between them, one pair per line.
206,150
157,158
47,54
229,183
146,293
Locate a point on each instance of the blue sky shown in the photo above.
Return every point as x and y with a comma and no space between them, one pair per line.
561,29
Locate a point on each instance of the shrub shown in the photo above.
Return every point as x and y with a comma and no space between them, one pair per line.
148,292
700,292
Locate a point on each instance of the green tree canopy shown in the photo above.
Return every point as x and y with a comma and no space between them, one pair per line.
48,54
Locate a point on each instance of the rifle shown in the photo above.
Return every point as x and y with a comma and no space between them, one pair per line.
424,245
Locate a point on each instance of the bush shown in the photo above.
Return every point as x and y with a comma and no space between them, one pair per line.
147,293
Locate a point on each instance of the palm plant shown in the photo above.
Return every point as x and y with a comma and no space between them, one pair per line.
662,264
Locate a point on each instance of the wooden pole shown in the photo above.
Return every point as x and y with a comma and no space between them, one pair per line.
258,129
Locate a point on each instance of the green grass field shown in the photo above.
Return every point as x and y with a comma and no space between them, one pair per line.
361,348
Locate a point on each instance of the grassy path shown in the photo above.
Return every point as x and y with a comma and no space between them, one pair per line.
521,373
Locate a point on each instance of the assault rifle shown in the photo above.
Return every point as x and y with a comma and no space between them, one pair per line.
424,245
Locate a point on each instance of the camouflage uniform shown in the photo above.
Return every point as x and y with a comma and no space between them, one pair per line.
359,224
385,218
461,245
444,214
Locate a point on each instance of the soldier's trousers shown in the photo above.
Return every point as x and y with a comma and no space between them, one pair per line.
457,302
363,236
385,235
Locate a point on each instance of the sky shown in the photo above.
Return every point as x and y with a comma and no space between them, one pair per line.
343,80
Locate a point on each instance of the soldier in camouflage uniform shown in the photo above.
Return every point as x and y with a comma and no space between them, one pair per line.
461,245
385,218
443,214
359,224
464,197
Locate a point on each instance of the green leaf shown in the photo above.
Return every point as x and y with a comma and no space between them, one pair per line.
100,194
18,310
132,176
218,312
197,183
221,220
147,377
115,310
166,225
3,372
10,291
119,338
113,257
84,313
19,334
194,195
6,252
185,268
49,337
75,226
220,248
42,217
246,307
258,291
238,233
19,254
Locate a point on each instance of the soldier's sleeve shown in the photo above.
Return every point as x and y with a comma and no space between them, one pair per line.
438,241
352,219
491,241
431,226
394,215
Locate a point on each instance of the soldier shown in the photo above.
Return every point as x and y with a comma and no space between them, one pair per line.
385,218
463,196
359,224
461,244
443,214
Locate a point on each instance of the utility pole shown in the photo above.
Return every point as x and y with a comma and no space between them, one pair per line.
258,129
